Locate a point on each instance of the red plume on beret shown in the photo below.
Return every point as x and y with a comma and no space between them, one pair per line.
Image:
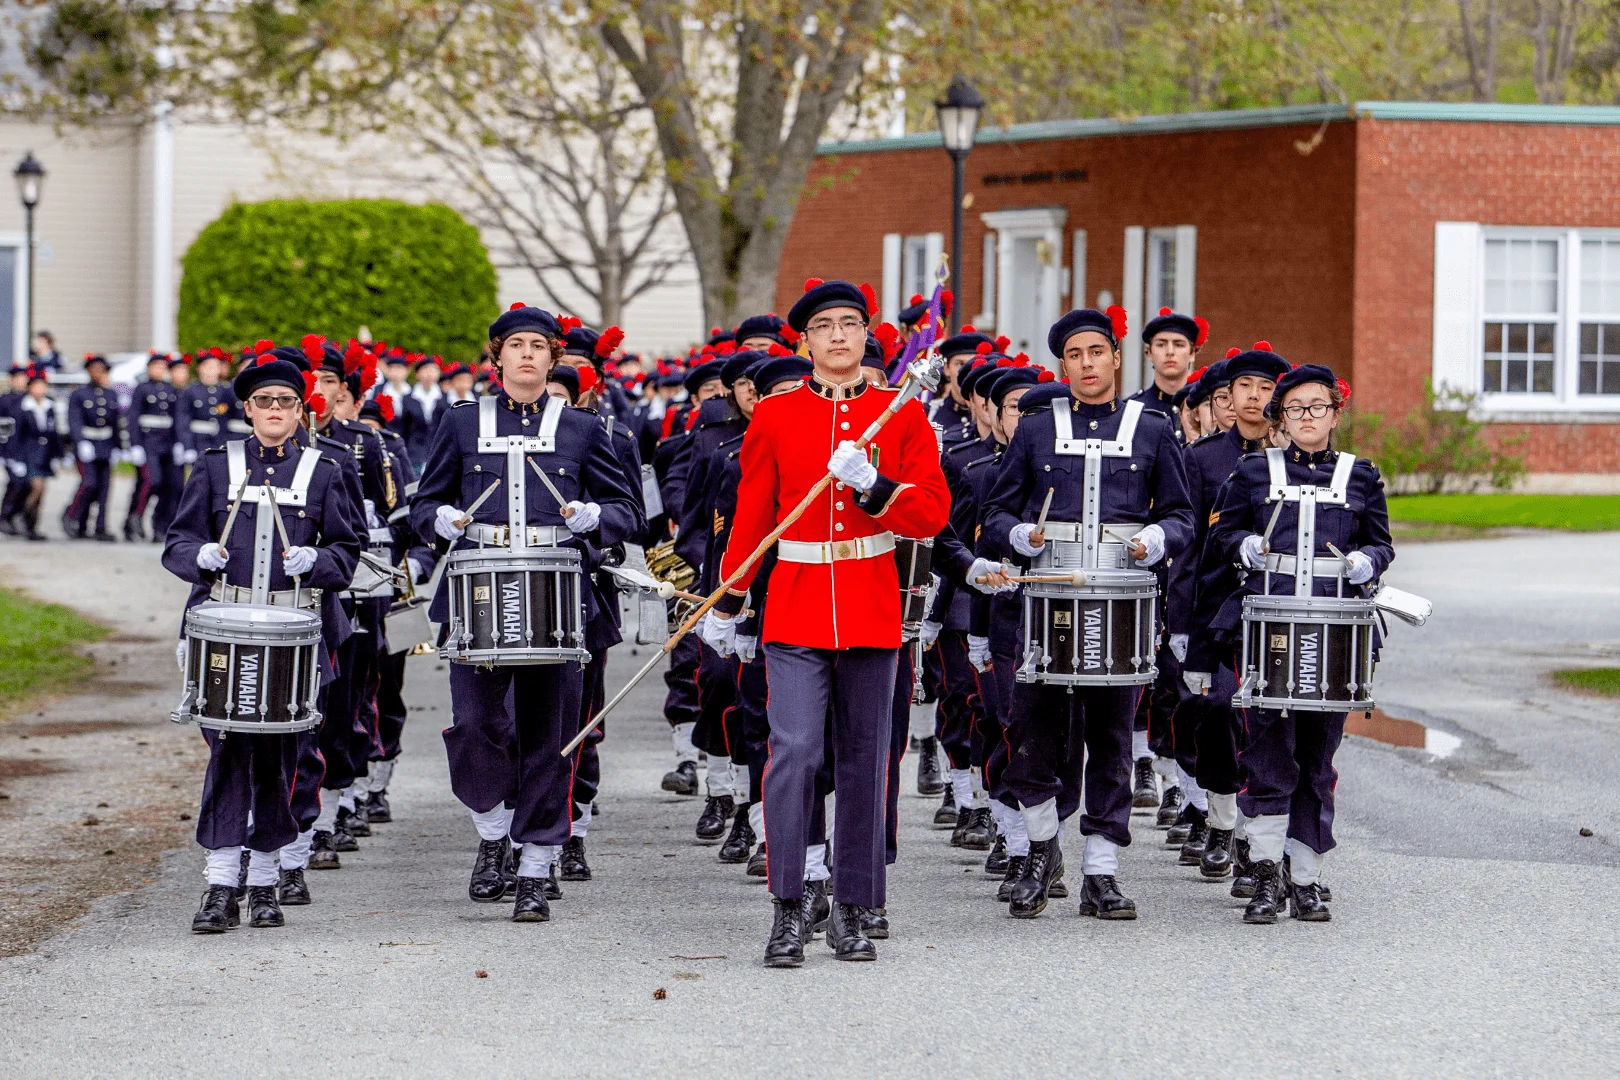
264,358
568,322
1021,360
385,405
1199,374
947,300
1002,342
1005,361
789,335
317,404
968,329
889,338
871,298
983,348
353,358
1262,346
611,339
368,372
587,378
262,346
380,347
811,282
309,384
519,306
1233,351
1046,375
1344,389
1164,311
1203,331
1116,315
776,350
713,330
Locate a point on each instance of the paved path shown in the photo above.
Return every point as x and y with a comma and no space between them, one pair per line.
1473,930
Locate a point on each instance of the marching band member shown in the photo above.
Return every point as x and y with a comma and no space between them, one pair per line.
37,445
147,426
952,412
11,456
509,755
204,407
246,799
423,407
1055,732
1173,342
92,415
835,626
1287,802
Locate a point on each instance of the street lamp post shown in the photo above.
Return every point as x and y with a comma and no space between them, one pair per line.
30,176
958,123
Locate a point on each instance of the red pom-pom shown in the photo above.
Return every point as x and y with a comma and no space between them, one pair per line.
1005,361
789,335
983,348
1046,375
968,329
916,298
317,404
1164,311
1116,315
946,300
587,379
777,350
1262,346
889,338
368,373
260,347
1021,360
1002,341
309,384
1199,374
1344,389
264,358
568,322
1233,351
385,405
1203,331
519,306
811,283
871,298
354,357
611,339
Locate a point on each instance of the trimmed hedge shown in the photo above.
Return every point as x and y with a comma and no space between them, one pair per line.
416,276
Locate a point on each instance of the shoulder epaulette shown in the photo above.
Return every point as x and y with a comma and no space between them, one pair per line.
459,404
961,446
980,461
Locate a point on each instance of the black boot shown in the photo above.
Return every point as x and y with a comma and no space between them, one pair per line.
1146,795
1100,897
1015,870
845,937
682,779
874,924
711,824
488,883
31,525
553,887
1242,870
263,907
946,814
1216,861
218,913
241,877
786,945
756,863
1305,903
531,903
995,863
1057,888
1192,850
972,830
359,822
342,838
930,778
1169,807
1183,827
741,841
817,908
1267,894
74,529
574,866
378,812
1029,893
294,889
322,855
132,528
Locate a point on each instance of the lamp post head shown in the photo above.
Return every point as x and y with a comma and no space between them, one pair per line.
30,176
959,115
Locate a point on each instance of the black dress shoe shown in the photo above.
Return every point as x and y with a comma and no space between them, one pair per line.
359,822
1100,897
946,814
874,924
756,863
1267,894
740,843
378,811
1286,871
1242,870
1029,893
1169,807
786,945
817,908
930,777
342,836
488,883
1305,903
1015,870
294,890
682,779
995,863
845,937
322,855
1216,861
972,830
553,889
1184,825
531,903
1057,888
218,912
574,866
1192,849
1146,794
263,907
241,877
711,824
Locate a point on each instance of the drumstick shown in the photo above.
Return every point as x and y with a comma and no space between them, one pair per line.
562,503
1040,522
230,518
1073,577
667,591
1265,540
463,521
286,545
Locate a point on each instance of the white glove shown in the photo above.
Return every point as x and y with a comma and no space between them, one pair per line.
717,633
1151,538
1361,568
191,458
983,568
116,457
415,568
137,456
929,633
1197,681
298,561
1178,647
180,655
585,517
849,464
1019,538
87,450
747,647
18,469
179,451
978,652
212,557
1252,552
372,520
447,523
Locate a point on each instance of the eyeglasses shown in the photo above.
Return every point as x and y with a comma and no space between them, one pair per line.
1221,397
849,325
1315,412
274,401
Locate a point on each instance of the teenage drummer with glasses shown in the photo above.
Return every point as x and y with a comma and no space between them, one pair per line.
506,762
1287,801
246,798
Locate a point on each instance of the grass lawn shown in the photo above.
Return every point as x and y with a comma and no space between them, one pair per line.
39,648
1605,681
1581,513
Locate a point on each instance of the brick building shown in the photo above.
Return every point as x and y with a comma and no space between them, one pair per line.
1475,245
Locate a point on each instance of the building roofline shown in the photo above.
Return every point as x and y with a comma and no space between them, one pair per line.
1171,123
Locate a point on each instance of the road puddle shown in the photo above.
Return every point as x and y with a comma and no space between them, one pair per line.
1382,727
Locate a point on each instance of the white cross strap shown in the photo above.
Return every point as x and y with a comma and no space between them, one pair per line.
1119,446
294,494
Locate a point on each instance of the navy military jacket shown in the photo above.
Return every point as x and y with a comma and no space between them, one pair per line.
9,402
37,443
955,420
1158,401
965,466
1208,462
92,416
692,472
606,630
370,461
417,427
149,419
205,413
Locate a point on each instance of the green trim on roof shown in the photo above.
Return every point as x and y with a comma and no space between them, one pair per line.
1170,123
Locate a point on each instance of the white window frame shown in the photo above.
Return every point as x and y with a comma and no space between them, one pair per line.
1042,223
19,293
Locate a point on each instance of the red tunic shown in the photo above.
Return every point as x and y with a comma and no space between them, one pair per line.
847,603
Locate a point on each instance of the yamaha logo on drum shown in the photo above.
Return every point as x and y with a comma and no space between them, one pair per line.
1092,654
1308,668
247,683
511,612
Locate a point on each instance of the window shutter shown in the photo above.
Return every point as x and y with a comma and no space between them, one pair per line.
891,275
1077,290
1186,269
987,286
933,250
1131,348
1456,362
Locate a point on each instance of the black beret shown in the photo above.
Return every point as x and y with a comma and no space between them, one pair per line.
295,356
1044,394
1214,378
737,364
426,361
912,312
331,359
95,358
566,376
969,381
765,326
873,356
674,378
1259,360
182,360
701,374
1168,321
779,369
268,372
821,295
523,317
580,341
1010,379
965,342
371,410
1083,319
718,335
1297,377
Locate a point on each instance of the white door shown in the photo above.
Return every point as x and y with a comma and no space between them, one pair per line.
1030,252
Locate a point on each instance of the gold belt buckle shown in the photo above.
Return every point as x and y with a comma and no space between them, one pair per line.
843,550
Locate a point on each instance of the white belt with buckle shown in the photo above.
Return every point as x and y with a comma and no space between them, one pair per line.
204,427
1322,566
97,433
830,551
239,594
380,536
156,423
500,535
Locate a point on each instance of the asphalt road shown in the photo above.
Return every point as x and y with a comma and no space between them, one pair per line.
1472,934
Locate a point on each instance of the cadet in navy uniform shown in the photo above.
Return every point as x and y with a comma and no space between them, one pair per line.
246,798
35,448
1287,801
1207,732
423,407
148,427
16,478
205,406
952,412
1054,731
92,416
510,754
1173,341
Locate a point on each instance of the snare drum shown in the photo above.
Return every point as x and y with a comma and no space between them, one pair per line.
1307,652
914,561
515,607
252,668
1102,633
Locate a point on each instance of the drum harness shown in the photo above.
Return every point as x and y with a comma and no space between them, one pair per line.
266,523
517,534
1304,565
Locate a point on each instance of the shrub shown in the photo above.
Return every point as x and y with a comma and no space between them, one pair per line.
416,276
1436,447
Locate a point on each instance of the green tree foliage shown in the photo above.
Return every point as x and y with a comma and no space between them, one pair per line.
1436,447
416,276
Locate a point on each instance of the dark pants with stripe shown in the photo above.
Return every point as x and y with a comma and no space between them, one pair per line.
719,726
1156,711
681,677
852,690
753,699
95,484
248,773
337,717
505,743
959,705
587,759
1060,737
1220,737
390,704
905,679
999,690
1288,762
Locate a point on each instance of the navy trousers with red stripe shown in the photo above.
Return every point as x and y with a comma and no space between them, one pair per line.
95,484
248,773
681,677
719,725
905,680
959,707
587,759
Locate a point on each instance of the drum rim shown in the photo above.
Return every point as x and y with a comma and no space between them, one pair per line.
483,560
1308,606
275,727
285,616
496,657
